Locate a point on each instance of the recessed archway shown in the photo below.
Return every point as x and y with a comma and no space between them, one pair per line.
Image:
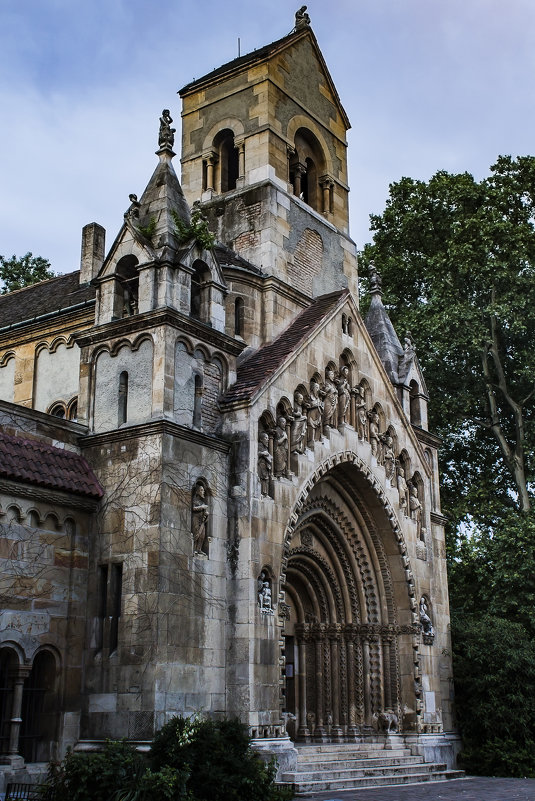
350,609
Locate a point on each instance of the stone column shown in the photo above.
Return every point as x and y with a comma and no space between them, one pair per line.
335,677
366,680
319,732
387,677
18,676
240,147
327,185
300,169
350,650
302,732
211,161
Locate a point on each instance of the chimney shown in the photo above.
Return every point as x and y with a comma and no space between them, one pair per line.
93,241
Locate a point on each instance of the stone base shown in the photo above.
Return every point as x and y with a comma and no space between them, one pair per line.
435,747
280,748
34,773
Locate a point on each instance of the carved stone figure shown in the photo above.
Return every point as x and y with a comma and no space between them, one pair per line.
199,520
280,448
362,415
265,463
329,393
315,413
302,19
375,437
389,457
132,212
264,593
166,136
427,626
402,488
298,429
386,721
344,394
415,507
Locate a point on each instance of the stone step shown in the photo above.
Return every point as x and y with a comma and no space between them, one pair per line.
398,753
304,787
340,748
358,762
339,772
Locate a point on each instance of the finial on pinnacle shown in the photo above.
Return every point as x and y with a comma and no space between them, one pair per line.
166,135
376,282
302,20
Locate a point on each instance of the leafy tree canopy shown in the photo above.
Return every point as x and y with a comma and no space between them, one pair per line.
18,272
458,263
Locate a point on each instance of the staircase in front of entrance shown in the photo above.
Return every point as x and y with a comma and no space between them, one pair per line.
348,766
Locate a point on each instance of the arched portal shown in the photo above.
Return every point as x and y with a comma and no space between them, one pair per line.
350,615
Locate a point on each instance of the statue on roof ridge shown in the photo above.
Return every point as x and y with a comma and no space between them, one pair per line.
376,282
302,20
166,135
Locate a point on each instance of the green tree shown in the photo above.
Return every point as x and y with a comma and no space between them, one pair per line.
458,262
18,272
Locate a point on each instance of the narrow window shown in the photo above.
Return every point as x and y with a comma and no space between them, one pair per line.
228,161
238,317
195,298
414,397
57,410
116,588
123,398
102,590
197,403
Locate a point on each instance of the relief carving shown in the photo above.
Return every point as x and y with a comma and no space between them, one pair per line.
344,395
264,593
389,457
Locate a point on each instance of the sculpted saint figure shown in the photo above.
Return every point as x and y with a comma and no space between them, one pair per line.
374,434
402,488
362,415
302,19
298,429
280,448
329,393
315,413
166,134
389,457
265,463
425,620
415,507
344,394
199,520
264,593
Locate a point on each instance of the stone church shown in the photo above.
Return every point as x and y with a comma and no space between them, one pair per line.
218,491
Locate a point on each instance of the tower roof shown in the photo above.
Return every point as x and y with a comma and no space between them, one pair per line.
381,330
261,55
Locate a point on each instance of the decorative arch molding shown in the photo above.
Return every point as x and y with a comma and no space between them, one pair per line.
231,123
300,121
7,357
350,457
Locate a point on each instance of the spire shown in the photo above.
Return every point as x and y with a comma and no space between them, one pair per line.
381,330
163,201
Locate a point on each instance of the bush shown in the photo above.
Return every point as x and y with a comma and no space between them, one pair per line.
96,776
494,671
190,760
218,757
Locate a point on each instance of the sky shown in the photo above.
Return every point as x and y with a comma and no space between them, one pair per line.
427,85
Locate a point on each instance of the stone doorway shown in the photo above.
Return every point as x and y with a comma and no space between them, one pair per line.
349,625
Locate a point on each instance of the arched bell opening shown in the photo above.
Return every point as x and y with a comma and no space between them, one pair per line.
349,622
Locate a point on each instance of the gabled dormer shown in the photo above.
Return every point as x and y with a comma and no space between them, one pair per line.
156,260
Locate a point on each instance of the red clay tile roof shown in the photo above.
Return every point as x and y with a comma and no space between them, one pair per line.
261,365
52,295
35,462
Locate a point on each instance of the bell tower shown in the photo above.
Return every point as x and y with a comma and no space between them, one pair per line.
264,151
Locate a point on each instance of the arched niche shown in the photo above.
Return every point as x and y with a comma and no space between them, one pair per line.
227,160
127,290
307,166
40,709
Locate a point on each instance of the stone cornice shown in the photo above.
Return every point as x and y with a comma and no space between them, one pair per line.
157,318
152,428
439,519
48,495
427,437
